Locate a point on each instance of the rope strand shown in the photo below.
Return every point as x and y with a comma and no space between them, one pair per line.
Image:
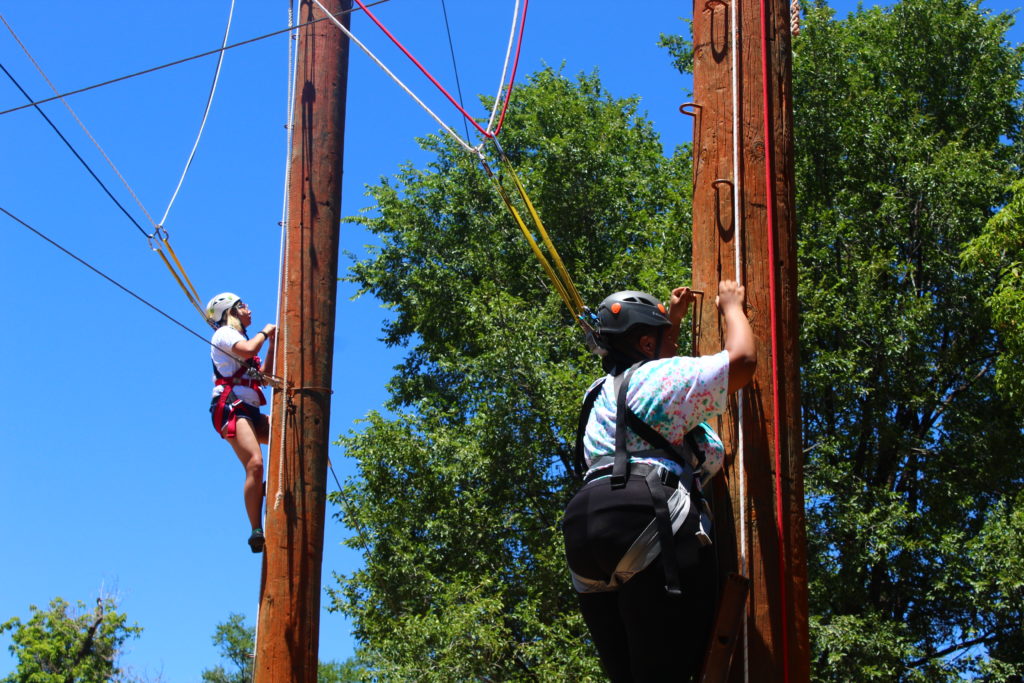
176,62
270,379
206,114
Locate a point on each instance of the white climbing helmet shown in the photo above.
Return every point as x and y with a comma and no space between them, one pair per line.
219,305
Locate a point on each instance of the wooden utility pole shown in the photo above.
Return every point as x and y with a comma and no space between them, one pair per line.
289,618
743,201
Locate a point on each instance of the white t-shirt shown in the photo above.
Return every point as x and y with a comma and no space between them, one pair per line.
672,395
224,339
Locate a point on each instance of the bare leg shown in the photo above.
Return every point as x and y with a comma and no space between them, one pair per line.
247,448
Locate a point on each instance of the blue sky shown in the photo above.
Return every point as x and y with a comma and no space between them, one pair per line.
113,479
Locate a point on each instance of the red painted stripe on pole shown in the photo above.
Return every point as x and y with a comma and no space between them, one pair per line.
773,296
515,65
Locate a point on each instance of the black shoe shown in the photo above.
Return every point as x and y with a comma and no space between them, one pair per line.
256,540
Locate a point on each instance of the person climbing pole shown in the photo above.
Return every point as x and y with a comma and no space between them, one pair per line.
237,396
636,533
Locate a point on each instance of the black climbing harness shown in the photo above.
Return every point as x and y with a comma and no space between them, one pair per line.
689,457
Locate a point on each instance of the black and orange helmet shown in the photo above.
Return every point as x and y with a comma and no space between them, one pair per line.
622,311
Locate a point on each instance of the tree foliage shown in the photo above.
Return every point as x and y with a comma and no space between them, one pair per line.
461,491
907,121
234,640
998,252
65,644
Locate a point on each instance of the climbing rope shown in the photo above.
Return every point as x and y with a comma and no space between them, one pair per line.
488,132
284,266
268,379
159,236
554,267
737,217
206,113
794,18
550,262
177,62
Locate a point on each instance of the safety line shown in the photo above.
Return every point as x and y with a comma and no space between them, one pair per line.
455,66
206,113
504,69
483,131
281,329
772,298
177,62
511,80
737,213
570,288
557,273
468,147
269,378
191,295
75,152
545,264
283,265
74,115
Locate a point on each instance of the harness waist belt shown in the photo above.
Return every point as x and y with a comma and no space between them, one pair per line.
636,469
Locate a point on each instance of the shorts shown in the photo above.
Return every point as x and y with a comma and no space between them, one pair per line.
234,409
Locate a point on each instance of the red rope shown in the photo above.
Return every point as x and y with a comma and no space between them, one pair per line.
515,65
435,81
773,296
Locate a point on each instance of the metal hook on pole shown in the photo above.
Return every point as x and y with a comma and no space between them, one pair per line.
686,106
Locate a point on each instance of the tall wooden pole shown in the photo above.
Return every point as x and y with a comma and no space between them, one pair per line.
289,617
766,474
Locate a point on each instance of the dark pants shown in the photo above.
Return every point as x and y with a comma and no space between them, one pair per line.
642,634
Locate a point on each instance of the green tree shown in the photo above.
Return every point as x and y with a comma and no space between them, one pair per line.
235,641
460,493
65,644
907,124
999,253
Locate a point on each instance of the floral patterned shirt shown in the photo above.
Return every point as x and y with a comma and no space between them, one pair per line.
672,395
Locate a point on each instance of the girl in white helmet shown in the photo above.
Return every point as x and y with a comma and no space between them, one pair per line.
237,396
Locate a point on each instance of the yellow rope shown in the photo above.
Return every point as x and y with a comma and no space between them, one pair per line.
181,268
573,299
556,272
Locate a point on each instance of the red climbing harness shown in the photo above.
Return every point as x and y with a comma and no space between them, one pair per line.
240,378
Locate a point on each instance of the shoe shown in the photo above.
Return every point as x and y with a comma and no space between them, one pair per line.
256,540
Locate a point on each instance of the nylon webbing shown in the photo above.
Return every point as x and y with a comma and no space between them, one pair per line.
553,267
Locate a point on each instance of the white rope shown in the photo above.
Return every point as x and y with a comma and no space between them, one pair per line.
794,18
206,113
455,136
283,266
504,70
737,217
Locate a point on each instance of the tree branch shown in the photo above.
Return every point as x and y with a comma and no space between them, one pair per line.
953,648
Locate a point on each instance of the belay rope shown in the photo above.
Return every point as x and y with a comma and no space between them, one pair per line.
550,261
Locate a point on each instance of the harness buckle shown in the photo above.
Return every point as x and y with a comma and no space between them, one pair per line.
619,481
